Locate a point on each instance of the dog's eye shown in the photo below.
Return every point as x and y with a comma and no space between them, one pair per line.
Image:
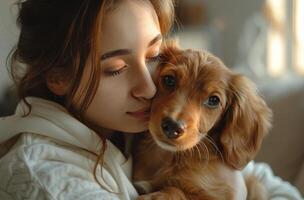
169,81
212,102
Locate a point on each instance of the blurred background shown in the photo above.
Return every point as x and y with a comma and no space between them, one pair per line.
263,39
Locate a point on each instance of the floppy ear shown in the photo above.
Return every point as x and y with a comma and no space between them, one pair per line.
247,120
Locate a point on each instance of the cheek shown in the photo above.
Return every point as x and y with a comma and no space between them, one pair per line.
208,119
109,101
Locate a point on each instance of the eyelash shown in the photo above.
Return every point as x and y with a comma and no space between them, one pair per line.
117,72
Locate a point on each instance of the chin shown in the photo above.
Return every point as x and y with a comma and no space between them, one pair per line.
135,127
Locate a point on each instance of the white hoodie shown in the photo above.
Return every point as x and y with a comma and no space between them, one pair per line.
54,156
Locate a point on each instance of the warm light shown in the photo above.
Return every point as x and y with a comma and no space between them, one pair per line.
276,51
299,36
278,9
276,54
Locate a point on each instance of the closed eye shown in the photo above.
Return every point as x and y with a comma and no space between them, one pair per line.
116,72
150,61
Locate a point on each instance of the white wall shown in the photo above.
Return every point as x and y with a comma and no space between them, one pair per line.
231,14
8,38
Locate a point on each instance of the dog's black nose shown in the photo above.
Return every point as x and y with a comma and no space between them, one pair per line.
172,129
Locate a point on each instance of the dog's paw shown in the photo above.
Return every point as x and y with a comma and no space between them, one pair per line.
153,196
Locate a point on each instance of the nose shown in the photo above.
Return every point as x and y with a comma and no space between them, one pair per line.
144,85
172,129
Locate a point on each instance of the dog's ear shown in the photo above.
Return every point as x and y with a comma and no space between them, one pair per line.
247,120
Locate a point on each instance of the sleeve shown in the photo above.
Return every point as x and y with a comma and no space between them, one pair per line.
25,177
277,188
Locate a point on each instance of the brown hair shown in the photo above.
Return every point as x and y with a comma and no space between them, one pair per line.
61,37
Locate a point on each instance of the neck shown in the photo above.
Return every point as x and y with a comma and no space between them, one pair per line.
102,132
116,137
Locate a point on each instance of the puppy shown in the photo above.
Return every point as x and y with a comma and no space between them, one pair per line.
206,122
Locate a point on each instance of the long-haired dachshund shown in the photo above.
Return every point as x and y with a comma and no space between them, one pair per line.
205,121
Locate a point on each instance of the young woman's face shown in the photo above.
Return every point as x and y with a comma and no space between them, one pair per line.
131,39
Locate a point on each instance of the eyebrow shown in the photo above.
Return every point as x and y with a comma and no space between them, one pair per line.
121,52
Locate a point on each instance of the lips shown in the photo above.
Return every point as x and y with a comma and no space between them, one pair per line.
143,114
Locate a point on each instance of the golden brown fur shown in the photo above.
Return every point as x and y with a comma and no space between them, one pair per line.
212,141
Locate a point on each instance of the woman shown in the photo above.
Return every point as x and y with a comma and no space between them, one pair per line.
87,80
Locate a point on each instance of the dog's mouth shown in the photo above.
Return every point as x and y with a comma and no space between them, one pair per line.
167,146
189,140
174,134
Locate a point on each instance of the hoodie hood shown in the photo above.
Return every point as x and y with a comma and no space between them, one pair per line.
50,119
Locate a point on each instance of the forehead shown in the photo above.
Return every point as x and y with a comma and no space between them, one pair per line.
197,71
129,25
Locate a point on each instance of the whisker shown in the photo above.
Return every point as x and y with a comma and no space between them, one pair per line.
191,152
199,152
194,151
205,148
215,146
207,152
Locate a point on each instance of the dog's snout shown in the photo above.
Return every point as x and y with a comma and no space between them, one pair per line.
172,129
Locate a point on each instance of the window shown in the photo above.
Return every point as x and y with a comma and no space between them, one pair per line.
275,12
285,36
298,36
